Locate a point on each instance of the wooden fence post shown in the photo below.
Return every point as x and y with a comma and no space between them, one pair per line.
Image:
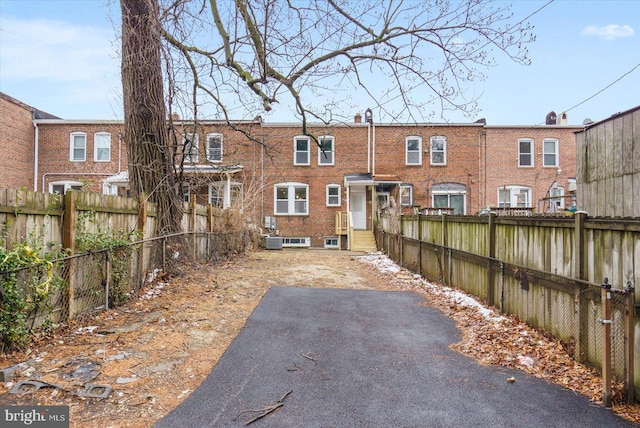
69,220
630,348
491,273
443,242
192,226
419,245
579,252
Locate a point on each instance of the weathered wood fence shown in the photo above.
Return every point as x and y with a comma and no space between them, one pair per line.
549,272
50,221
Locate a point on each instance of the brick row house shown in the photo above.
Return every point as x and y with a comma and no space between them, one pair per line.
306,189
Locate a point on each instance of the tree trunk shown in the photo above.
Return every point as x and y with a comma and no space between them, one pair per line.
151,169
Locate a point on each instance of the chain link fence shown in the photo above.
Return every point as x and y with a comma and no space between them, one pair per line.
56,291
569,309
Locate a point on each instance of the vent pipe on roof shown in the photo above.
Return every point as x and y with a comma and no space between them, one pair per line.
551,119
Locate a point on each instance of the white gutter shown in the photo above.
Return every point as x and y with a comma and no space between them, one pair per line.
35,157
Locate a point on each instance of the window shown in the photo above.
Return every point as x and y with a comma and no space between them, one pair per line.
301,150
406,195
78,146
333,195
223,194
549,152
514,196
291,199
190,148
525,152
438,150
331,242
414,151
325,151
450,195
61,187
296,242
214,147
102,147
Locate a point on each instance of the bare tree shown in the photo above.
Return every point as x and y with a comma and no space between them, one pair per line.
151,169
238,58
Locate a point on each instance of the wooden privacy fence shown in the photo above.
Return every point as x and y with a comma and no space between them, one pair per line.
549,272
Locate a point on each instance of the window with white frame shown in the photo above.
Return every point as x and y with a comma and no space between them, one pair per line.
61,187
514,197
331,242
326,149
296,241
291,199
406,195
413,151
214,147
438,150
102,147
525,152
301,153
449,195
550,152
78,147
333,195
190,148
223,194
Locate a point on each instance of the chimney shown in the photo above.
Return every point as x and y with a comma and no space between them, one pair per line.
563,120
551,118
175,117
357,118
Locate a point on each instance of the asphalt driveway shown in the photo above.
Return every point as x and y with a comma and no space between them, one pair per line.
356,358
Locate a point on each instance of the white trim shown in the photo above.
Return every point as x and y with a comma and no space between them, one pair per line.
68,184
410,187
336,245
95,146
433,139
531,152
213,158
339,195
514,191
406,150
555,152
323,156
72,146
296,241
291,199
296,151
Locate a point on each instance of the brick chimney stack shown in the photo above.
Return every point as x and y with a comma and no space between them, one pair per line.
357,118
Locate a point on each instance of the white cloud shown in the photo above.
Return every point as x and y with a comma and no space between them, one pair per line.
609,32
56,50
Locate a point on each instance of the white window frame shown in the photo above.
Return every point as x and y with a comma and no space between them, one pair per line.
514,192
449,194
297,152
326,157
530,153
190,150
403,188
545,153
409,152
68,184
214,154
103,145
432,151
296,241
72,147
292,203
329,242
331,199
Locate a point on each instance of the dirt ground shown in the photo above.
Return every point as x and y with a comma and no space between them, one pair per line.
157,349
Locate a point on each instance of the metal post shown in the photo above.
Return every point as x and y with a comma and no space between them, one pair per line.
606,342
630,342
107,279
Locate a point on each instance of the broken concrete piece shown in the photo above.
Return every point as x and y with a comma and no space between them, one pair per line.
95,391
6,374
27,386
122,380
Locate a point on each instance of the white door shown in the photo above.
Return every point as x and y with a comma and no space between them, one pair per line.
358,205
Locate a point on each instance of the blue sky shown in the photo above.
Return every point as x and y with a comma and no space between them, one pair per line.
62,57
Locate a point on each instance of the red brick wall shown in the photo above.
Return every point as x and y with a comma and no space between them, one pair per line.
55,154
17,137
462,143
502,168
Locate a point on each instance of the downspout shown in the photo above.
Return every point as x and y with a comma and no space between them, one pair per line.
373,156
35,157
262,178
119,152
368,147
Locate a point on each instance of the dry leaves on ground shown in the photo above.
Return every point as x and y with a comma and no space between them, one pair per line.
158,348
